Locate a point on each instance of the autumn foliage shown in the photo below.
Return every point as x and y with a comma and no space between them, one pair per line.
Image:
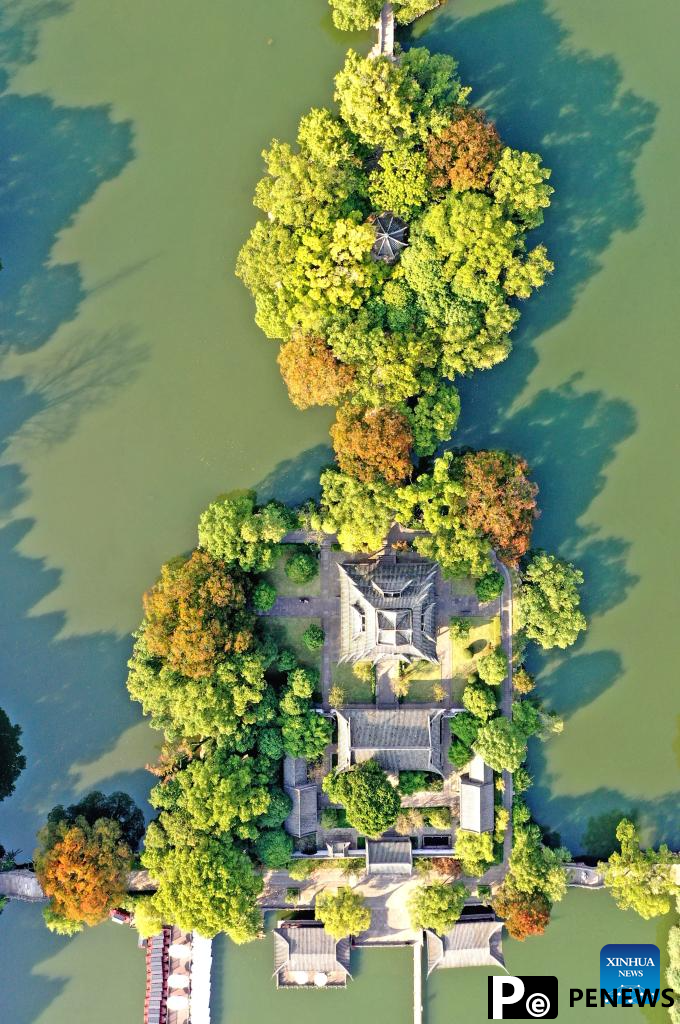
312,374
525,914
370,443
83,869
465,154
501,501
195,614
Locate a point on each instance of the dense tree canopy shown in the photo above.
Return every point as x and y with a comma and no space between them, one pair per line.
83,869
361,14
549,601
437,906
205,882
501,744
524,915
372,804
372,443
343,913
12,761
640,880
195,614
360,331
240,533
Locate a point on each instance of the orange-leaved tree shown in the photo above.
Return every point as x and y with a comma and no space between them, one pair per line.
373,442
465,154
196,614
500,501
312,374
525,913
83,868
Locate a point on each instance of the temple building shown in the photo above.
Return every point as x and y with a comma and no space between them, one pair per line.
403,739
388,610
306,956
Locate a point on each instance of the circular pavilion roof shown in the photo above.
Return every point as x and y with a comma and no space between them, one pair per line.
390,237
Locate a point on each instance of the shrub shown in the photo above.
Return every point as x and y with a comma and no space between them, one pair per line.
264,596
293,895
493,667
489,587
329,817
409,821
301,567
437,817
365,671
416,782
336,696
459,628
313,637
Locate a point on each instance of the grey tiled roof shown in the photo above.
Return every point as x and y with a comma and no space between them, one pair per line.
302,820
399,740
476,805
388,610
467,944
309,947
389,857
294,771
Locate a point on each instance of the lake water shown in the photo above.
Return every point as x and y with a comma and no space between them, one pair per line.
134,386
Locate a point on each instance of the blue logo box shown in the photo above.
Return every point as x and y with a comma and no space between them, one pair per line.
630,965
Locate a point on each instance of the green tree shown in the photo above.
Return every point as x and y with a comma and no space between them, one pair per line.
221,792
465,726
537,868
205,883
384,103
400,182
238,531
489,587
519,184
360,513
459,753
12,761
274,848
501,745
306,735
313,637
474,850
351,15
372,804
549,601
479,701
493,667
264,596
302,567
640,880
230,702
436,906
342,913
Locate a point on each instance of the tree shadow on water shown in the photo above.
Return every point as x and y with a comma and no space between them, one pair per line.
295,480
569,105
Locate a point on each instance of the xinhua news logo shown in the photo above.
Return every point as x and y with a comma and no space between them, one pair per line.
633,966
522,998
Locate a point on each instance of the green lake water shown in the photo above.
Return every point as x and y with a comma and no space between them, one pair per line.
134,386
